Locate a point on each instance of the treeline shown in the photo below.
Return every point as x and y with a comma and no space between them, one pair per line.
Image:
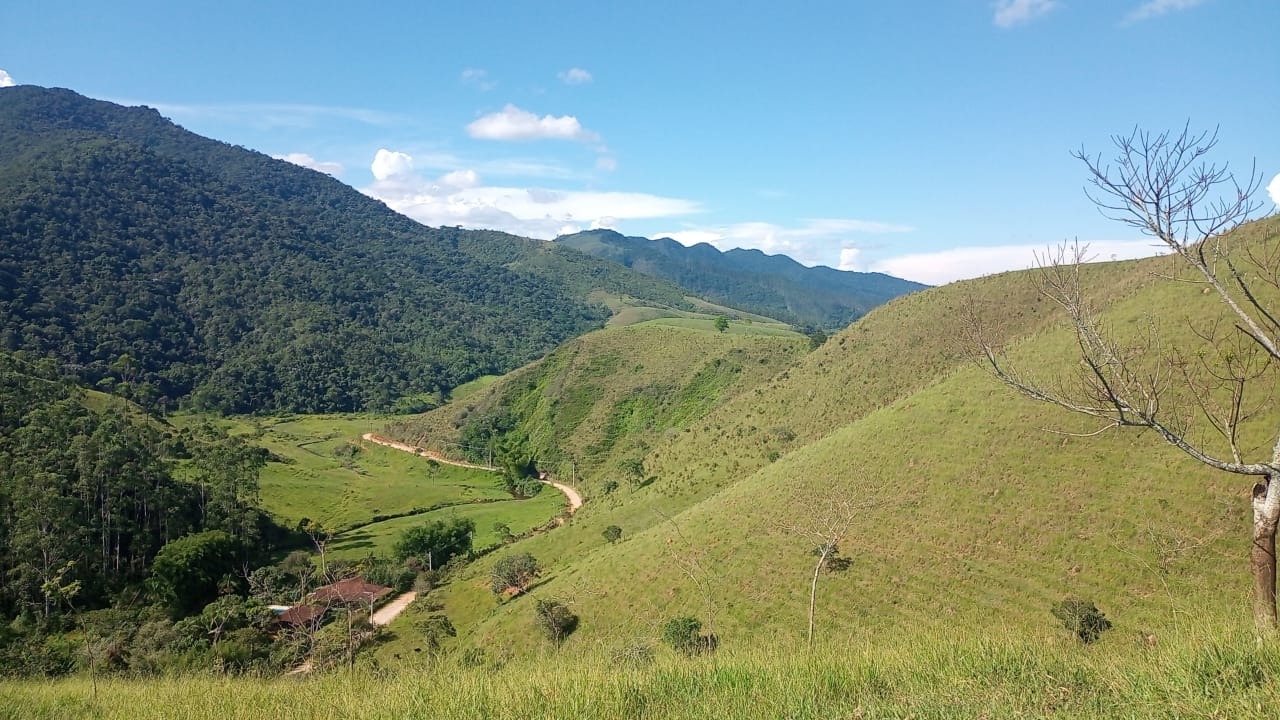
173,269
89,499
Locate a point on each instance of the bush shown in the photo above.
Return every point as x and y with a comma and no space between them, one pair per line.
684,634
516,572
555,620
1082,618
436,543
613,534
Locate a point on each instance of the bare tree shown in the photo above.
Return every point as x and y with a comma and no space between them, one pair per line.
828,530
1197,399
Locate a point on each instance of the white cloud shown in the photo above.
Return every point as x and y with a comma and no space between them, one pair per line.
512,123
1156,8
1017,12
388,164
574,76
849,259
819,241
271,115
461,198
306,161
478,78
944,266
1273,189
6,80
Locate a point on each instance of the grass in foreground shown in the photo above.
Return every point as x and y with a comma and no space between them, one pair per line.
1000,677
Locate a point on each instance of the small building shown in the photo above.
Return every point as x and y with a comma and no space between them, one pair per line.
311,611
351,590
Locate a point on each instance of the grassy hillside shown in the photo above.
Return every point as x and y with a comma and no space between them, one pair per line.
998,676
604,399
978,514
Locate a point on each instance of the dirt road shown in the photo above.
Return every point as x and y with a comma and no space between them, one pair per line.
423,452
385,614
574,498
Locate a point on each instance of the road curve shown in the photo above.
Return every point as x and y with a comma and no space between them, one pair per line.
572,495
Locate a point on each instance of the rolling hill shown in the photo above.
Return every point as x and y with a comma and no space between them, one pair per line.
974,514
771,285
178,269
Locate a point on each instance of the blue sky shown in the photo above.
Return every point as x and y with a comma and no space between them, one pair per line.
926,139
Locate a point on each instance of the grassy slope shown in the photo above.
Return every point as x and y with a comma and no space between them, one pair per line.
609,395
997,676
983,517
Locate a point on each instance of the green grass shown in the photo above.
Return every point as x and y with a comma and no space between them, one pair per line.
520,516
981,516
889,676
315,482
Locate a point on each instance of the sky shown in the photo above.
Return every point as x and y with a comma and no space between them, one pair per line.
928,140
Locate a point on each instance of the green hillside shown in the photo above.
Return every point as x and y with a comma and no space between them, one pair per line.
177,269
771,285
596,405
977,514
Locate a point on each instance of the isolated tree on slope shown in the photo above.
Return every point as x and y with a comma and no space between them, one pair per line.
1162,185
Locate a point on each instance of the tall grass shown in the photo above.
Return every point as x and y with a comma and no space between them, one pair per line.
1000,676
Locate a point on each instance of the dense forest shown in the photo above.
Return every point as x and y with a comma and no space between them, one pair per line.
772,285
176,269
93,500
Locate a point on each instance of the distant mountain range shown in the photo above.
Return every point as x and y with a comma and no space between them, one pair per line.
181,270
773,285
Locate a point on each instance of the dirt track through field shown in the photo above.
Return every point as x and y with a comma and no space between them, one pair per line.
572,495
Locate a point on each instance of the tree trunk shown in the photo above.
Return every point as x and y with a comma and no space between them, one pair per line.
813,592
1262,555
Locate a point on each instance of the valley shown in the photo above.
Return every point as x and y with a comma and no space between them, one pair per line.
270,447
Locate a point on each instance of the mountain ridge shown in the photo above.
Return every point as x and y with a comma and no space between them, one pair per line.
182,269
747,278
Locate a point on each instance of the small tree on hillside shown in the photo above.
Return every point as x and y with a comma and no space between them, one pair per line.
555,620
722,323
1163,186
613,534
514,572
828,530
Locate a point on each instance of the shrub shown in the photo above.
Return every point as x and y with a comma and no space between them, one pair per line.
609,486
516,572
437,542
613,534
1082,618
555,620
684,634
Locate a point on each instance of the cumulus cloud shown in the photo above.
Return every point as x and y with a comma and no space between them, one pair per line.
6,80
850,258
461,198
1273,189
1017,12
512,123
944,266
818,241
1156,8
574,76
306,161
388,164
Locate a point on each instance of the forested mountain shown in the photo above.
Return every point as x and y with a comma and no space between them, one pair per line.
175,268
773,285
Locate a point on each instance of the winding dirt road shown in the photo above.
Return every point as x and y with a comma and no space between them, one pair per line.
572,495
